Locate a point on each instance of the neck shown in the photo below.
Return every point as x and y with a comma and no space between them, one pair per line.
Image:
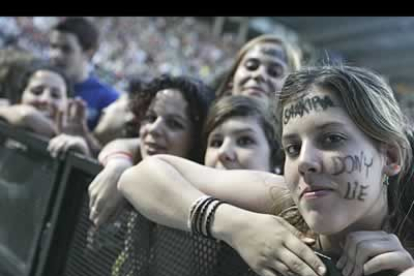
373,220
82,74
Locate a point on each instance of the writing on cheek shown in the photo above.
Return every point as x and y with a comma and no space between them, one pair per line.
352,163
305,106
356,191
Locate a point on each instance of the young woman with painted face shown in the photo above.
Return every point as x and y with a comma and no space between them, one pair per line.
43,100
348,168
261,67
259,70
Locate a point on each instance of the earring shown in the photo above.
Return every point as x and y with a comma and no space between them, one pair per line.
385,180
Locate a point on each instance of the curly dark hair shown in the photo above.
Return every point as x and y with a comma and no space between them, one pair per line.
198,95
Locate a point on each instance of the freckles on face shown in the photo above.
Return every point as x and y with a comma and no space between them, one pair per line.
332,168
167,128
261,71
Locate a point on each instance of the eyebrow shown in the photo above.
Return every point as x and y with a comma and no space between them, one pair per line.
273,52
177,116
319,127
236,131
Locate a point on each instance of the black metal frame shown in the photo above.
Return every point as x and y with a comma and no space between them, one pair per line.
48,251
65,214
39,145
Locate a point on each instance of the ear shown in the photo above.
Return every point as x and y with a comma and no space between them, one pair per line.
392,160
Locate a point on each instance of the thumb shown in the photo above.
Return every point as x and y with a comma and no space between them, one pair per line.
300,235
59,121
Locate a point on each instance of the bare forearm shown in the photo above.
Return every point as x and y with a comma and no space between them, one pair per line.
129,145
143,186
164,190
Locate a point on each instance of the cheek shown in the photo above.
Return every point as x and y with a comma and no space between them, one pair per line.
238,77
28,98
291,174
143,131
209,157
278,84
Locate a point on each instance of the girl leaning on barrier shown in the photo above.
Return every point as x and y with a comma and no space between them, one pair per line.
44,98
348,168
259,70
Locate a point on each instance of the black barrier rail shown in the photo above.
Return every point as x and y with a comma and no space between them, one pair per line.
45,229
27,184
130,245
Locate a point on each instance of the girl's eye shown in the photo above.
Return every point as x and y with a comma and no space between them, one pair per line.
252,64
36,90
245,141
332,140
56,95
292,150
215,143
174,124
275,71
149,118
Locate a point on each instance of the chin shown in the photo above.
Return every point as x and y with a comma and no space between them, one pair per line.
323,224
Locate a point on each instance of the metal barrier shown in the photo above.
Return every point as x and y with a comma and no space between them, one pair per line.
45,230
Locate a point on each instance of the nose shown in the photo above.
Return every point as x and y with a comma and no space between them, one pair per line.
260,73
130,117
226,152
155,127
309,160
55,54
44,98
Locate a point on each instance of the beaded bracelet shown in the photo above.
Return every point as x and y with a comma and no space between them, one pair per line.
210,218
194,206
199,213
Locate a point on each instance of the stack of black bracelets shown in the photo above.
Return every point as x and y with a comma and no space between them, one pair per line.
202,215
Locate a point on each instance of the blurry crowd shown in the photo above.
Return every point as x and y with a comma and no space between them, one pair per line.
271,140
144,46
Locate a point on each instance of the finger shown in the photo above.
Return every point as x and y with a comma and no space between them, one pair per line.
399,261
80,108
371,248
267,272
297,264
354,238
60,146
71,107
279,267
306,258
55,145
348,268
93,215
358,269
353,242
59,121
103,216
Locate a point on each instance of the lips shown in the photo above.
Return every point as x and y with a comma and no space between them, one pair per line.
154,148
315,192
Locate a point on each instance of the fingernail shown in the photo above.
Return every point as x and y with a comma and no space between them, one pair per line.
308,240
339,263
321,270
